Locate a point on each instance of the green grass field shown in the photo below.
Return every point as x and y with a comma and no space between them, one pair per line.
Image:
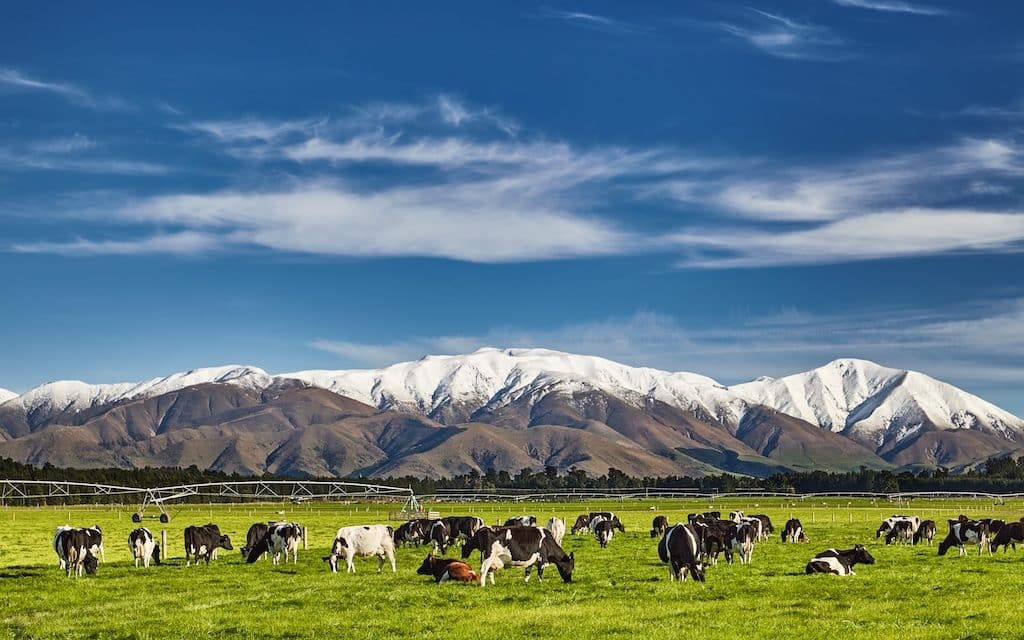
619,592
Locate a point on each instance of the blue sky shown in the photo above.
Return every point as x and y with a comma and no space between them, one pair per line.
735,189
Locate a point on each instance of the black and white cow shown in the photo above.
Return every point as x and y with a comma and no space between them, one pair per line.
411,532
462,527
201,541
679,548
557,528
659,526
582,524
889,523
756,524
766,526
1008,536
736,516
714,537
603,530
256,532
281,537
793,531
525,547
964,532
521,521
439,536
143,547
902,532
364,541
607,515
445,569
744,536
74,550
839,563
925,532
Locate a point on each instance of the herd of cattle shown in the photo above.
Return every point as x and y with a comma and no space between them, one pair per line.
687,548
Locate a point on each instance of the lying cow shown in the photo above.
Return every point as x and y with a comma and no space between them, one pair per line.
443,569
557,528
143,547
363,541
963,532
281,537
201,541
525,547
659,526
679,548
793,531
839,563
74,550
925,532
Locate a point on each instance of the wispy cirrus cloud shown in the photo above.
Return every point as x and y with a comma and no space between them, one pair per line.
895,6
783,37
16,80
592,21
71,154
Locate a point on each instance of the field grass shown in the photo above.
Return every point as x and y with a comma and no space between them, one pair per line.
618,592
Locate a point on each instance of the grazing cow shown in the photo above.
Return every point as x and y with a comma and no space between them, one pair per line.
281,537
525,547
411,532
462,527
256,532
363,541
925,532
439,536
521,521
679,548
736,516
659,526
1008,536
143,547
607,515
962,532
713,538
201,541
993,525
794,531
557,529
582,524
443,569
94,536
742,541
902,531
603,530
766,526
839,563
756,524
74,550
889,523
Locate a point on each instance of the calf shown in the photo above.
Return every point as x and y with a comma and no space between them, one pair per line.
1008,536
925,532
679,548
962,532
794,531
201,541
603,530
525,547
143,547
256,532
74,550
521,521
557,529
582,524
281,537
659,526
364,541
902,531
839,563
443,569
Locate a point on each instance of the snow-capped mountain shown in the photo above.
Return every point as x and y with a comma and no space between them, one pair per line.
6,395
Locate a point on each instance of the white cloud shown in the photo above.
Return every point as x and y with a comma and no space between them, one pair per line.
73,93
592,21
894,6
784,37
184,243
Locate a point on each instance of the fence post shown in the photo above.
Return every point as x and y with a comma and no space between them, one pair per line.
163,544
305,539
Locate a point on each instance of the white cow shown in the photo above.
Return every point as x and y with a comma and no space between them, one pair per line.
365,541
557,528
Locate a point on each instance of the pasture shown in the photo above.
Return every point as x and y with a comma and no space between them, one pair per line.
619,592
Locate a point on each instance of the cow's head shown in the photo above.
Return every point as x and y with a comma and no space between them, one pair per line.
618,524
861,555
225,543
697,569
427,568
156,553
566,567
90,563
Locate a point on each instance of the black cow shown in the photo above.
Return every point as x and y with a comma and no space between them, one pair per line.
74,548
521,521
1008,536
411,532
256,532
993,525
680,549
925,532
793,531
440,536
201,541
838,562
962,532
525,547
659,526
603,530
582,524
608,515
713,538
902,531
143,547
462,527
281,537
766,525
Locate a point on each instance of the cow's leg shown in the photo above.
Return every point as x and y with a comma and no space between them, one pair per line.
485,568
391,559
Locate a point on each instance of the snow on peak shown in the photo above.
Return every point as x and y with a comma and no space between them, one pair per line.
6,395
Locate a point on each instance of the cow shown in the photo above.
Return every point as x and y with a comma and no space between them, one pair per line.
890,522
363,541
794,531
766,526
557,528
839,563
659,526
736,516
742,541
94,536
201,541
582,524
462,527
756,524
411,532
714,515
962,532
525,547
679,548
281,537
443,569
993,525
439,536
521,521
902,531
143,547
74,550
1008,536
607,515
713,538
256,532
603,530
925,532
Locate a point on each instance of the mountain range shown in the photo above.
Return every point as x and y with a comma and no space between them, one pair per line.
507,409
